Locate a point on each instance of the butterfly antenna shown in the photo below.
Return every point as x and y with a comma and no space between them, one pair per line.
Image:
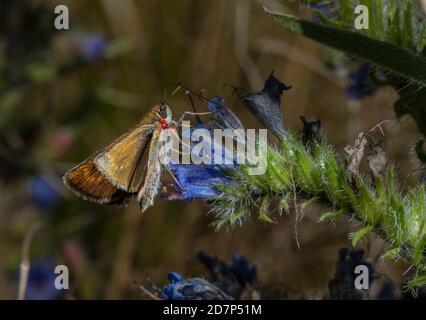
195,93
163,101
177,88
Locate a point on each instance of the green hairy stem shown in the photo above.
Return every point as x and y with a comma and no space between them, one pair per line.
318,177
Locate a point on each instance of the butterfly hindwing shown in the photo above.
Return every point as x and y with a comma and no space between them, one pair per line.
86,181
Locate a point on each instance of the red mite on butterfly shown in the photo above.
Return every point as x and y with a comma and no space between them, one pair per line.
163,123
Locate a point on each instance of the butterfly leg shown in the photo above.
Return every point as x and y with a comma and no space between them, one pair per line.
182,117
182,143
174,178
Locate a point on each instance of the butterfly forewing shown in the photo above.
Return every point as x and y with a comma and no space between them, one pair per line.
121,163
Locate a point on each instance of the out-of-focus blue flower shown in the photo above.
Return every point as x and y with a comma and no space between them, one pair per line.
42,193
41,281
324,9
360,85
92,46
191,289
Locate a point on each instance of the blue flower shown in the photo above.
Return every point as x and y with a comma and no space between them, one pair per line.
191,289
360,85
41,281
322,8
42,193
199,181
92,46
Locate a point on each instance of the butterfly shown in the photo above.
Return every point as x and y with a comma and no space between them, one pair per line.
129,166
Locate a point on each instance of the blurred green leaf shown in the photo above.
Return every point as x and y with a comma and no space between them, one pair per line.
41,72
419,250
384,54
119,47
8,102
417,282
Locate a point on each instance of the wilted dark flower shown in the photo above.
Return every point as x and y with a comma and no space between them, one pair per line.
43,194
41,281
387,292
311,132
92,46
343,284
225,117
360,85
233,278
191,289
245,272
265,105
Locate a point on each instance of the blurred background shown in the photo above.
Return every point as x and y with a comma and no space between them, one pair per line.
66,93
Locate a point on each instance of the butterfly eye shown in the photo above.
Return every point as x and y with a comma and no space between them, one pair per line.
163,112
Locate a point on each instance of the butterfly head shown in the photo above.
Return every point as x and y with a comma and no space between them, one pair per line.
164,116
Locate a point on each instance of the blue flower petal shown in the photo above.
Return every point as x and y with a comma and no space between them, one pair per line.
174,277
200,180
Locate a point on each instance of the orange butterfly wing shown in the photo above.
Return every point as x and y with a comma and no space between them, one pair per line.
86,181
124,161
